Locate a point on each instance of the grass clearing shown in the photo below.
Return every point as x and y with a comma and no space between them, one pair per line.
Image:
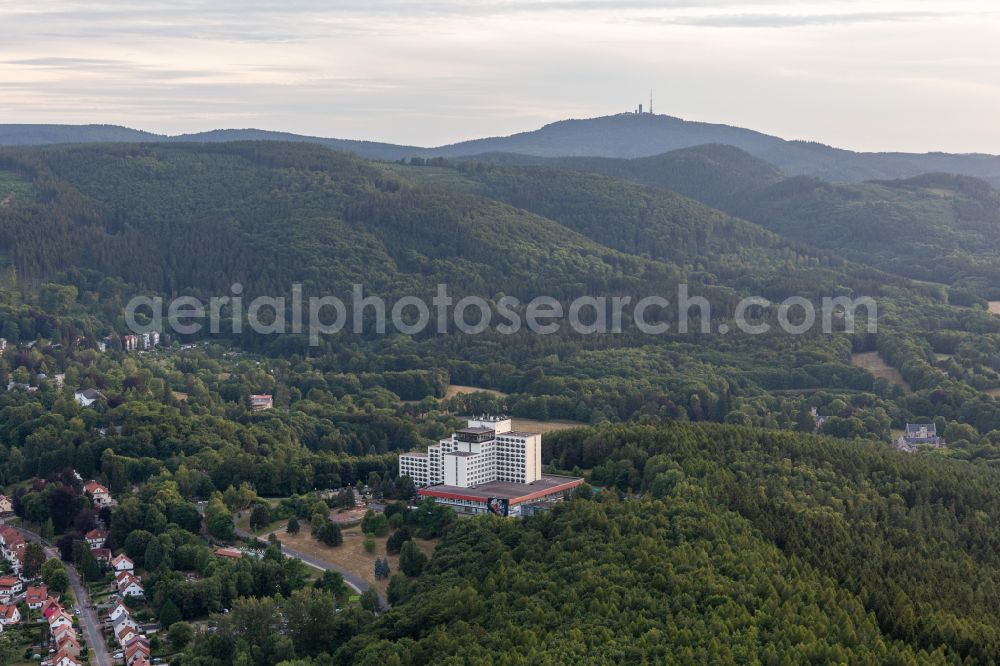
351,555
534,425
458,389
876,365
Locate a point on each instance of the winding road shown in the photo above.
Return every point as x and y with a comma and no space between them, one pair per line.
90,624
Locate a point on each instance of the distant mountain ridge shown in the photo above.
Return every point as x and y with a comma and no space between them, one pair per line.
619,136
43,135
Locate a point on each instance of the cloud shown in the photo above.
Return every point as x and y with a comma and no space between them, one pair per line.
66,63
439,71
800,20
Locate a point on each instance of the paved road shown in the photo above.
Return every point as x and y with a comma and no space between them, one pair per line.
356,583
89,622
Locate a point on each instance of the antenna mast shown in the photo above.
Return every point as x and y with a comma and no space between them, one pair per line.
650,101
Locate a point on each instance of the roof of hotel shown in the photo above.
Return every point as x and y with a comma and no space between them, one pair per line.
516,433
515,492
463,454
414,454
475,430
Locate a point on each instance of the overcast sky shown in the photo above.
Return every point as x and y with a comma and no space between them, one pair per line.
874,75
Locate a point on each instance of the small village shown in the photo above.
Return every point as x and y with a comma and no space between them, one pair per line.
29,605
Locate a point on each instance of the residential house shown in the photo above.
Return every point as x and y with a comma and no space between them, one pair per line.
87,397
130,586
61,633
122,563
126,633
69,643
136,650
103,555
12,547
118,611
10,587
123,621
259,403
6,505
95,538
11,541
17,562
66,659
228,553
99,494
60,619
9,615
50,608
36,596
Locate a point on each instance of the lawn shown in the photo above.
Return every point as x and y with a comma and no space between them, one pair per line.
351,555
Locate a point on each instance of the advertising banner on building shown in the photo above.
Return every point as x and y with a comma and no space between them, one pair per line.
498,506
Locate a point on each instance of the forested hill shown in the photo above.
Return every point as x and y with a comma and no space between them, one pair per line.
731,545
200,216
715,174
938,227
935,227
661,225
369,149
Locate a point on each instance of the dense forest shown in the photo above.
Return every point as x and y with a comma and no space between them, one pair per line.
934,227
744,501
710,543
85,228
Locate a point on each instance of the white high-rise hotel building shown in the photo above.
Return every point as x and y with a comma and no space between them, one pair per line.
488,450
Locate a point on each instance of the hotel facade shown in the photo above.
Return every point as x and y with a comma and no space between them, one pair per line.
486,467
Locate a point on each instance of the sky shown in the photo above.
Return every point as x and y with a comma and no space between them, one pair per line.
878,75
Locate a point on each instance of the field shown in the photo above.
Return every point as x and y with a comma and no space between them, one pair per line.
532,425
874,364
351,555
995,307
457,389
